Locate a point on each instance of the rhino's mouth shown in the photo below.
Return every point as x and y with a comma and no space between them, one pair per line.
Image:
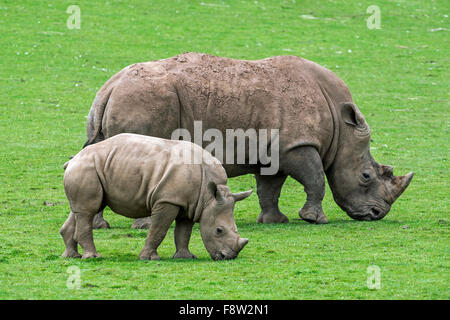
369,213
225,255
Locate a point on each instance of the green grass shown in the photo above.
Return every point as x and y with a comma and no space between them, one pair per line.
398,76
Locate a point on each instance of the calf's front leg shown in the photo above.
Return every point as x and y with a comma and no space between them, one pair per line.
183,230
162,217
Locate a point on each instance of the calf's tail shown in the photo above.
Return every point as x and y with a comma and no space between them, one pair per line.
66,164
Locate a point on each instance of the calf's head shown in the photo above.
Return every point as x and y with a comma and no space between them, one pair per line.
363,188
217,225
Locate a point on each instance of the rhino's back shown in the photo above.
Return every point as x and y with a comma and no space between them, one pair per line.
237,93
283,92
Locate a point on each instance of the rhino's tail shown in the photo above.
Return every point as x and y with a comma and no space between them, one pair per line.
95,117
65,165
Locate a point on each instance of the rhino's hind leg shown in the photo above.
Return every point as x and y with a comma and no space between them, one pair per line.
162,217
67,232
269,189
305,166
183,230
142,223
84,235
100,222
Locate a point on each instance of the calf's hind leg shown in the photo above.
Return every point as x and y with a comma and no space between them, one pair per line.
84,235
67,232
85,194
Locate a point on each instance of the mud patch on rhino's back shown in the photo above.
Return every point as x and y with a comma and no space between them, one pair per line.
147,70
229,92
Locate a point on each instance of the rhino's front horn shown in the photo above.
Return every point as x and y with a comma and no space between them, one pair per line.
400,184
242,195
242,243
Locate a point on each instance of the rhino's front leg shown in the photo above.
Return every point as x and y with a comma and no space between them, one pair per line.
162,217
100,222
305,165
183,230
269,189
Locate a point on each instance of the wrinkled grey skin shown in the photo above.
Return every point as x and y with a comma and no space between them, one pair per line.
322,132
138,176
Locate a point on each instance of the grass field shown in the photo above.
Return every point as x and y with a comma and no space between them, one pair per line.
398,76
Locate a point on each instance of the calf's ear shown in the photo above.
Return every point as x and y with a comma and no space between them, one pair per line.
351,115
218,192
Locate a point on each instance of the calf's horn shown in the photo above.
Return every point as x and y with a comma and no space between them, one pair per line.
242,243
242,195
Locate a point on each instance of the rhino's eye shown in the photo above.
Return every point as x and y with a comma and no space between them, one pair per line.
219,230
366,176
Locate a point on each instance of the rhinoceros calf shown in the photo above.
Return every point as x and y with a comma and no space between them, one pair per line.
138,176
321,130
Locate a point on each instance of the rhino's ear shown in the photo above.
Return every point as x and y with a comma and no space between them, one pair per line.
351,115
217,192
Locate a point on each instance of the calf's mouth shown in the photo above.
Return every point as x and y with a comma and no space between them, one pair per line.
225,255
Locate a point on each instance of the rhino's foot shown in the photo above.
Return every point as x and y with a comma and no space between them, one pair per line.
272,217
184,254
313,214
88,255
70,254
100,223
142,223
146,255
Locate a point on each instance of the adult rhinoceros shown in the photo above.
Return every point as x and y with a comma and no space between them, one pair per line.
321,130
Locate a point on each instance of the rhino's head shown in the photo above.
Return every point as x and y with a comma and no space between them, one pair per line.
363,188
217,225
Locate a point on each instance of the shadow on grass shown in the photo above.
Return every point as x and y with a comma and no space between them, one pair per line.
357,222
301,225
128,257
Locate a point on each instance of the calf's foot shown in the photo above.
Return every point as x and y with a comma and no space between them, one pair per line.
142,223
68,253
88,255
149,255
313,214
274,216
